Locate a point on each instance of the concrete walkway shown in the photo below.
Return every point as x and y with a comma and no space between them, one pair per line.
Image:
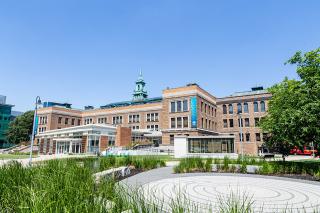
269,193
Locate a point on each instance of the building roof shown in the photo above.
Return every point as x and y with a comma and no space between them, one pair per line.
130,103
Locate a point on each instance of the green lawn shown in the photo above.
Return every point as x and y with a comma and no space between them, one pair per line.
12,156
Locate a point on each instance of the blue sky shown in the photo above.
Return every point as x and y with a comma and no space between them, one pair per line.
89,52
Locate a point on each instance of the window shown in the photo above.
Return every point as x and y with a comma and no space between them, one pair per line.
102,120
245,108
152,117
240,137
215,112
247,122
255,106
205,108
111,141
239,108
173,123
263,106
179,122
185,105
258,137
179,108
202,124
248,137
201,106
256,122
79,122
225,123
224,109
59,120
72,121
230,109
66,121
87,121
240,122
134,118
171,139
231,122
135,127
185,122
173,106
116,120
153,127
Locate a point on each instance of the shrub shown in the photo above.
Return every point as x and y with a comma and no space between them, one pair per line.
243,167
208,165
190,164
226,162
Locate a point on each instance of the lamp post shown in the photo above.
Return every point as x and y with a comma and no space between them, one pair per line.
241,138
38,102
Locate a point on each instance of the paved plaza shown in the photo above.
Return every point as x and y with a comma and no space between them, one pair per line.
268,194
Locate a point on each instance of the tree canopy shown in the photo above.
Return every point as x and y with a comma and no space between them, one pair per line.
294,111
20,128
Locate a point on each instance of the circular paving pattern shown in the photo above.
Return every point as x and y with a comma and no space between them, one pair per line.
267,195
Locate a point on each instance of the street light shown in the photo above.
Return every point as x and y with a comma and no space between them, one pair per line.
38,102
241,138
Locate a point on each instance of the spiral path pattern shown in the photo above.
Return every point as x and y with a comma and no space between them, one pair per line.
268,195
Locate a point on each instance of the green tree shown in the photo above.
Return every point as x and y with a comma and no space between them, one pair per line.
294,111
20,128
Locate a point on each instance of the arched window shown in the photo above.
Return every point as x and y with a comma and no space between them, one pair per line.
263,106
239,108
230,109
224,109
255,106
245,108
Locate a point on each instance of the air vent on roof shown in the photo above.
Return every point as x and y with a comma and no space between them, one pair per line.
257,88
88,107
192,84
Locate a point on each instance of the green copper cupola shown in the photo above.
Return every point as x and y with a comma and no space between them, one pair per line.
140,93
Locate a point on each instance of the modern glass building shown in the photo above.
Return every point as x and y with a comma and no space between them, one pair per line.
5,118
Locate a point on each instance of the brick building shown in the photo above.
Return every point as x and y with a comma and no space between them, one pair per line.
188,110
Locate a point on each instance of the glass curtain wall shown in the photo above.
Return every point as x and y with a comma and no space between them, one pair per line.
211,145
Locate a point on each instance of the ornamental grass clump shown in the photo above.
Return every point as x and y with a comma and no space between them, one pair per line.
193,164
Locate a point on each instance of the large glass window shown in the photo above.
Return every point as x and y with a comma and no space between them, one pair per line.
258,137
185,122
225,123
210,145
179,122
231,122
152,117
230,109
173,106
185,105
247,122
263,106
239,107
224,109
255,106
179,108
248,137
245,108
173,123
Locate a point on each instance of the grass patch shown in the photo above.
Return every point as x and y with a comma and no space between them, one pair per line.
14,156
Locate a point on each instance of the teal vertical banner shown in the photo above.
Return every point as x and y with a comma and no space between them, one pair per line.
36,125
194,114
